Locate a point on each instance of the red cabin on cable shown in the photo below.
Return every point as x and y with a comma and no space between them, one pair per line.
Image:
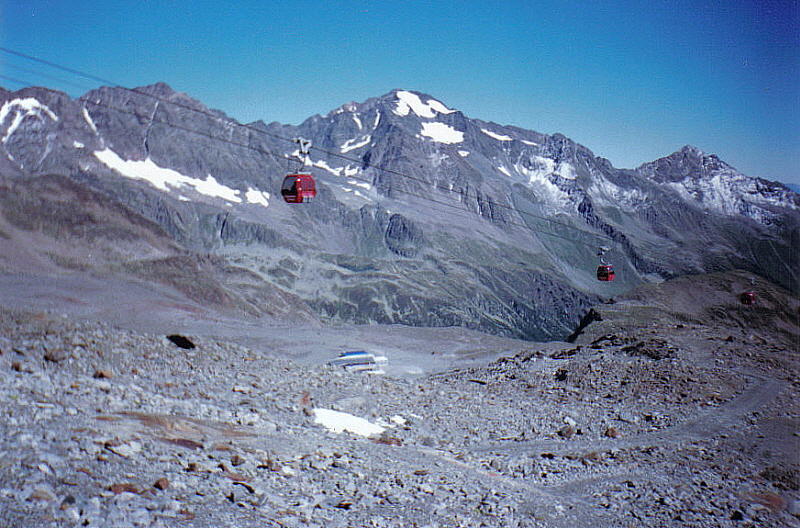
747,298
298,188
605,272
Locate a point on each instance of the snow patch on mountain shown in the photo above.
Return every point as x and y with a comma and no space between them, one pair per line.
22,108
566,171
355,143
210,187
531,143
539,167
358,193
322,164
721,192
605,192
441,132
731,193
254,196
463,153
165,179
540,174
439,107
504,170
410,102
498,137
368,188
542,166
365,185
88,119
347,107
357,122
77,144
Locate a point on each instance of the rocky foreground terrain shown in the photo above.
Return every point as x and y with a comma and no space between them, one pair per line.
673,406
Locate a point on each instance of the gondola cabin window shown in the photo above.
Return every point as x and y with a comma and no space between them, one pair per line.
605,273
748,298
298,188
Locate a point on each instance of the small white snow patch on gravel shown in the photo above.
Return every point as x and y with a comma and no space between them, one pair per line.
338,422
399,420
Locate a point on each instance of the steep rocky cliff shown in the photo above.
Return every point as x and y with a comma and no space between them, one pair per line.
424,216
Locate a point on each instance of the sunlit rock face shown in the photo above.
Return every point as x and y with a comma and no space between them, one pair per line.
423,216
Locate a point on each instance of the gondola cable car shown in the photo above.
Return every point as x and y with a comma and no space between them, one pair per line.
299,186
605,271
749,297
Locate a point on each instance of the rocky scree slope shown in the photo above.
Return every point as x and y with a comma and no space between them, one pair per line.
689,420
508,249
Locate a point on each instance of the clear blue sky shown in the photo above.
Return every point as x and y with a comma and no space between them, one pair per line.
631,80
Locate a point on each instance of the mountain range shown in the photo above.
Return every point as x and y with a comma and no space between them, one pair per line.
423,216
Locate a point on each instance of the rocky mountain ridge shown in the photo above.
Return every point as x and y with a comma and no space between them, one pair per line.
424,216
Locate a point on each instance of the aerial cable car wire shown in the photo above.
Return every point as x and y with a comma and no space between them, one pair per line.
276,136
25,84
465,213
456,208
281,138
47,76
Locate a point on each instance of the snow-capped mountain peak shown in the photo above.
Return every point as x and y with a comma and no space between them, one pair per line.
422,106
455,220
711,183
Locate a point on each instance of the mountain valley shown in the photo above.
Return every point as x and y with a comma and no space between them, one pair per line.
169,325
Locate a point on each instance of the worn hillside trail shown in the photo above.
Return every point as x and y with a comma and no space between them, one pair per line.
572,494
704,425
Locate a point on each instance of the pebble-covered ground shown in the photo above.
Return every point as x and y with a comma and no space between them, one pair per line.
673,424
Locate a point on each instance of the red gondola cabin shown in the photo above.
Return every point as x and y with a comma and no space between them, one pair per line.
748,298
605,272
298,188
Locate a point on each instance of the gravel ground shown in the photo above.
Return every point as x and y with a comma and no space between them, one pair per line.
668,424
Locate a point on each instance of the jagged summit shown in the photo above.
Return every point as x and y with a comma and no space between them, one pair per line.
159,89
420,104
424,216
688,162
691,149
400,102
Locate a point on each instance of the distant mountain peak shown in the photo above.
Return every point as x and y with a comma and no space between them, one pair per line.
424,215
422,105
690,149
689,161
162,90
159,89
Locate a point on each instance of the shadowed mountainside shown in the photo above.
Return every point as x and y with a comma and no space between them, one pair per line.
424,215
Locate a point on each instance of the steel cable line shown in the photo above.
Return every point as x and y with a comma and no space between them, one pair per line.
277,136
324,151
47,76
460,210
15,80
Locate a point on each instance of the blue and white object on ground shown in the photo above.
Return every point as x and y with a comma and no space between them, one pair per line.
358,360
